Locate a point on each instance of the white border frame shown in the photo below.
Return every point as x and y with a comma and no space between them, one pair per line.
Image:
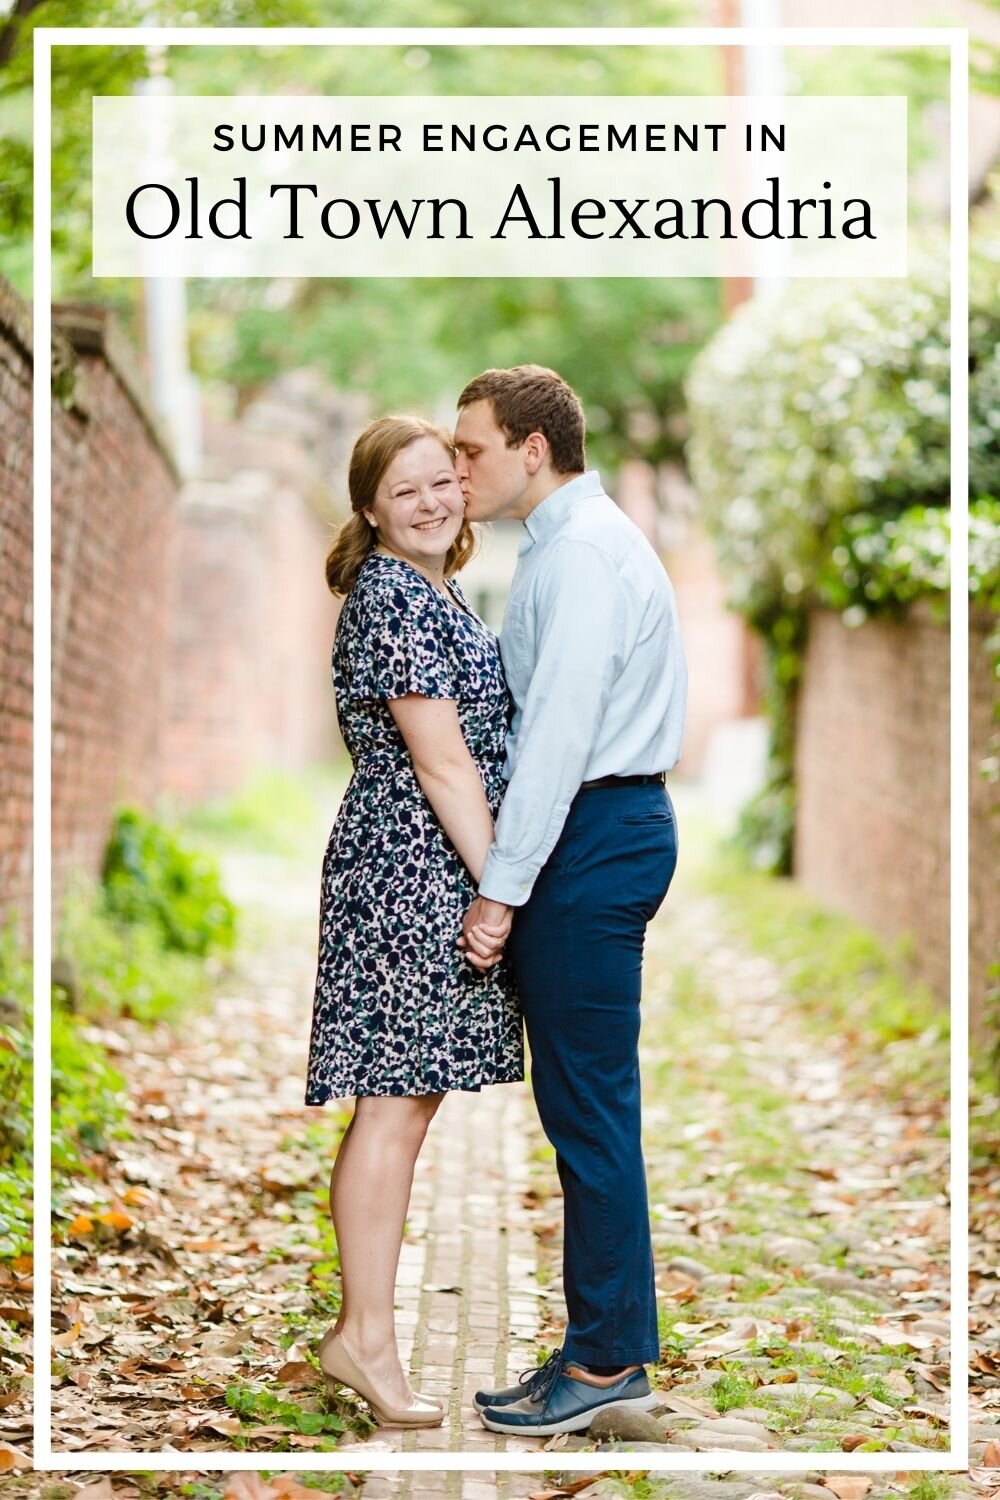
956,41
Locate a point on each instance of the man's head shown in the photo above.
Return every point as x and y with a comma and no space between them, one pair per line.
520,434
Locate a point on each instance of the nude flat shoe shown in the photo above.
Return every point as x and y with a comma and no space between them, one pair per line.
340,1368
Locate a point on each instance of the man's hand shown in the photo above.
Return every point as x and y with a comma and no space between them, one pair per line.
485,930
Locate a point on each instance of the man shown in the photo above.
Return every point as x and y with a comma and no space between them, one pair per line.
585,850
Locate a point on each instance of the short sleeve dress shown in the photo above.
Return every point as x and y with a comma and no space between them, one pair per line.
398,1010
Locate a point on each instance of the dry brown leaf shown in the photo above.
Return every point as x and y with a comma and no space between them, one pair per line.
298,1372
926,1413
685,1406
737,1337
116,1219
81,1225
571,1487
289,1487
137,1197
784,1377
991,1457
848,1486
854,1441
63,1340
795,1328
23,1265
247,1485
12,1458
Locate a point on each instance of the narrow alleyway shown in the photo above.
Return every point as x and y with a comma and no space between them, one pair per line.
798,1209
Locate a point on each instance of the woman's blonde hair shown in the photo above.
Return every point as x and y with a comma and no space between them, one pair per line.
372,454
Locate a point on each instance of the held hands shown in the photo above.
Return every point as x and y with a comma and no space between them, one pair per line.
485,930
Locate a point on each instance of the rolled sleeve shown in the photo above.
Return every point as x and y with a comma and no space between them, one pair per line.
578,653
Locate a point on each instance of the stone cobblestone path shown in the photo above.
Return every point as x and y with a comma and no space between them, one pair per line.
800,1229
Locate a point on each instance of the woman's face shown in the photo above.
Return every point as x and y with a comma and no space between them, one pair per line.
419,507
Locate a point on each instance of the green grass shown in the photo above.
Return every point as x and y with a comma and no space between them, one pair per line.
845,980
930,1486
273,813
731,1390
122,968
15,1096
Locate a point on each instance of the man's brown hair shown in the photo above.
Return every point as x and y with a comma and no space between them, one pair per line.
530,398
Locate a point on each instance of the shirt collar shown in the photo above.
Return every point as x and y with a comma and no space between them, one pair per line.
550,513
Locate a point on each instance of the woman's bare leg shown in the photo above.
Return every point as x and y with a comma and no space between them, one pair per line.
369,1197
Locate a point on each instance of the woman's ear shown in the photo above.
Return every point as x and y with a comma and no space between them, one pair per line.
369,518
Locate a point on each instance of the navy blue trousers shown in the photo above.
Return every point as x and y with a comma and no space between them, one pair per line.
577,951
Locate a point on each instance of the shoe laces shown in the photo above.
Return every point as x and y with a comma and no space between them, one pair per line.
539,1381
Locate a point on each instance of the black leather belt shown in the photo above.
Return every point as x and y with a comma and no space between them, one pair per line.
591,786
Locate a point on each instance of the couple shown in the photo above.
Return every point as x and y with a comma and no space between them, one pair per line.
504,840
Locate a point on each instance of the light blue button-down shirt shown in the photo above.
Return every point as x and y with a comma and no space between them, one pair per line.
592,650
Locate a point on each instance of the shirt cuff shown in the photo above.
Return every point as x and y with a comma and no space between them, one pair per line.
509,883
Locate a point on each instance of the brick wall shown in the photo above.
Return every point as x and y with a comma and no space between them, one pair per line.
114,499
723,655
252,619
872,770
15,612
984,825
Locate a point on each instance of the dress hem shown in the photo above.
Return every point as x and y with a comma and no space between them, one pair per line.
468,1086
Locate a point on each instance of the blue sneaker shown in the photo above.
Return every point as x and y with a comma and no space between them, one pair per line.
526,1386
558,1403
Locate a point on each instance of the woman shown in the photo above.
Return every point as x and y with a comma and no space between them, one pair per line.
400,1017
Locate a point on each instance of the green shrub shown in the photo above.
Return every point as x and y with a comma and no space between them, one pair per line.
151,878
121,968
88,1098
15,1097
820,452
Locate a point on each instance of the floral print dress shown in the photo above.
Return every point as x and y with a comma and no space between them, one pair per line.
398,1010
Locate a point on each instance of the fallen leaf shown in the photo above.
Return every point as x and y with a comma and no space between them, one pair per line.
138,1196
927,1413
288,1486
81,1225
784,1377
247,1485
737,1337
63,1340
991,1457
685,1406
571,1487
298,1372
12,1458
99,1489
855,1441
116,1219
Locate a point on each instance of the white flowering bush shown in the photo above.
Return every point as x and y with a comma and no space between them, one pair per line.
819,419
820,451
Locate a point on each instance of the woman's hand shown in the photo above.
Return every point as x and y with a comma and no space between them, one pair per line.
485,930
